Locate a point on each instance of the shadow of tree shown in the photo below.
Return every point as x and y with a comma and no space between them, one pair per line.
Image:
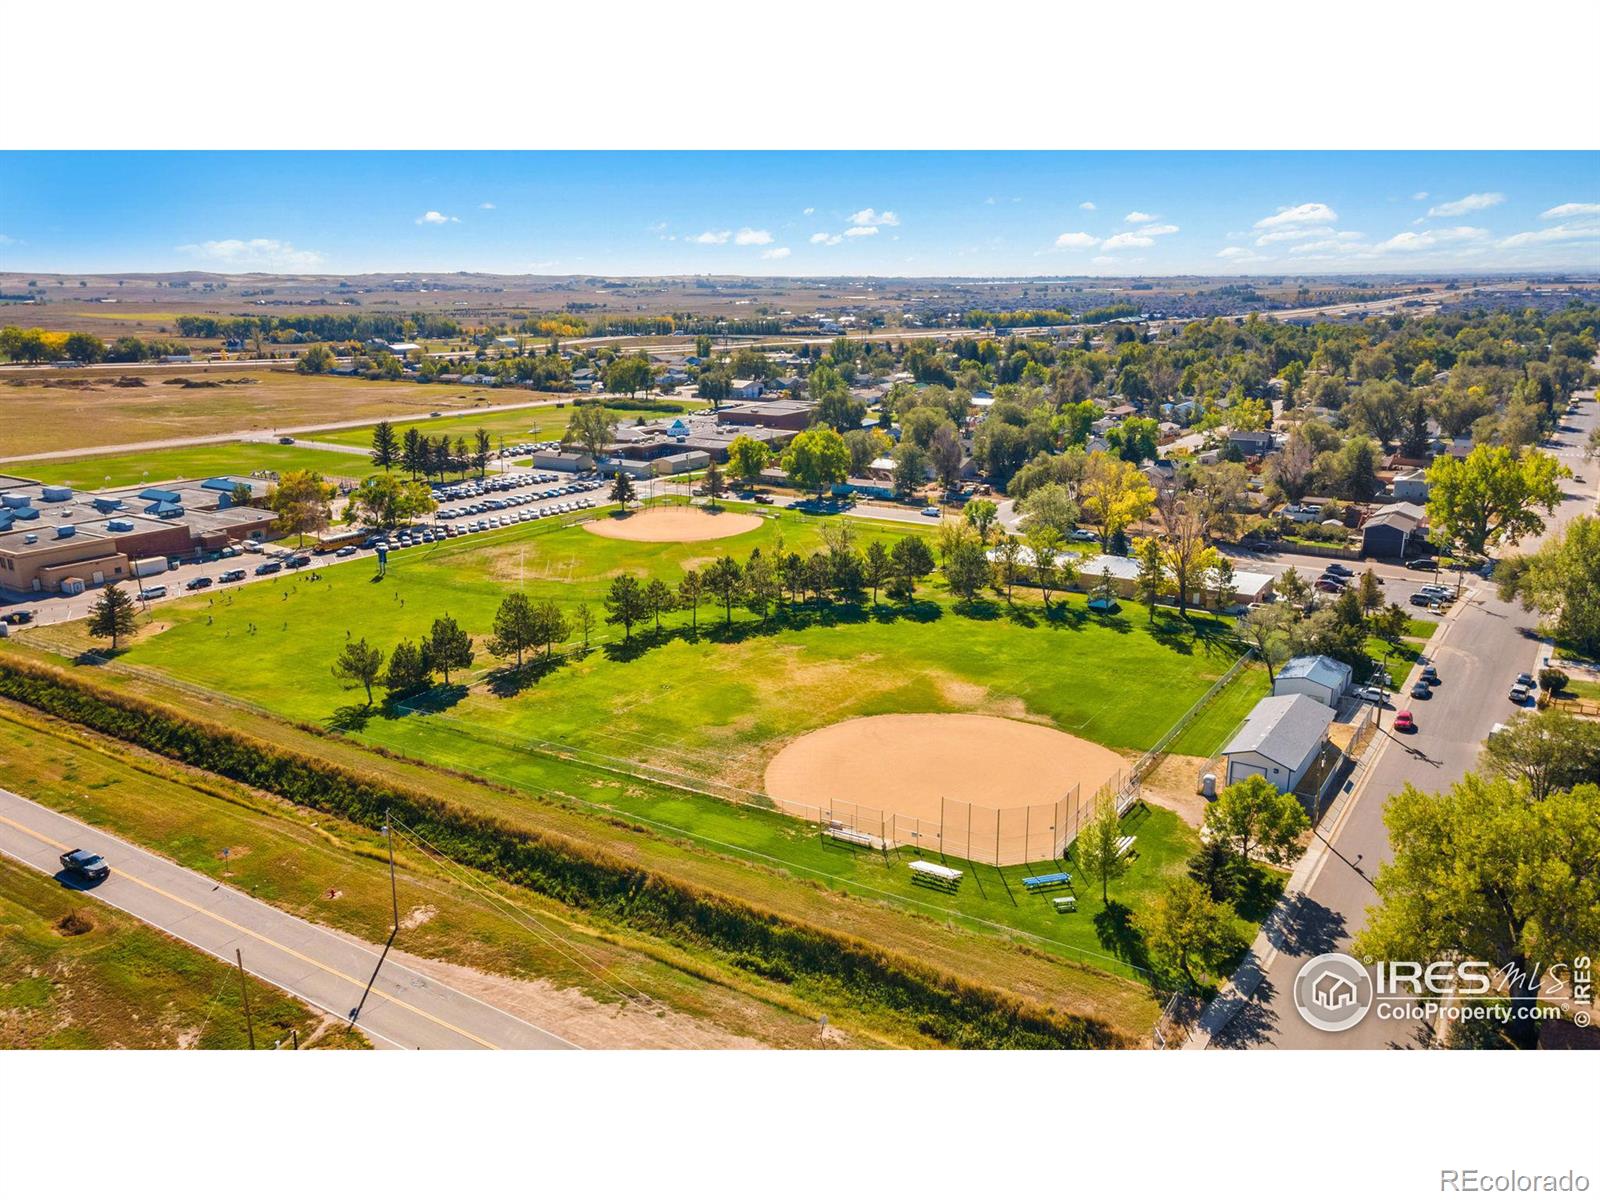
1114,926
509,681
437,699
350,718
1304,929
1253,1024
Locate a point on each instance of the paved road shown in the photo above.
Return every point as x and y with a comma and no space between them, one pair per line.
327,970
1479,649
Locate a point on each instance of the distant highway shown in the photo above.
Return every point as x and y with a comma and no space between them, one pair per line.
405,1009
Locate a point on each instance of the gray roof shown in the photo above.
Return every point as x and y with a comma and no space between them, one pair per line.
1318,668
1283,729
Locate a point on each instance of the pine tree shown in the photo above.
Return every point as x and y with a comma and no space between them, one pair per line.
385,449
112,615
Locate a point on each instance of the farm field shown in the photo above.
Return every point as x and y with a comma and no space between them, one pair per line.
76,974
540,424
187,462
49,410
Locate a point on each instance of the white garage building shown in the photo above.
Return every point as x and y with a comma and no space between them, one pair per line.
1279,741
1318,676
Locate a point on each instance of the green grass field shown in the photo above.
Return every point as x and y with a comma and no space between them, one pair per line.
712,707
186,462
78,974
515,425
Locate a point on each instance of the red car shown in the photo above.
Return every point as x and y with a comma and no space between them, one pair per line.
1403,722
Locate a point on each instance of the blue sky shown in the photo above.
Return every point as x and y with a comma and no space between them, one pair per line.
800,213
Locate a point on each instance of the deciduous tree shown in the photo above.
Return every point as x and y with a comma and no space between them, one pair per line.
359,665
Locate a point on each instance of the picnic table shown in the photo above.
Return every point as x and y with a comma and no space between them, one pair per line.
1065,904
1125,845
1042,883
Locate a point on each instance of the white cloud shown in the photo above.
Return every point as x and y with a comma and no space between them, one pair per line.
1087,206
487,204
1121,240
7,241
825,239
1330,245
1429,239
1138,218
806,212
869,216
253,254
752,237
1299,214
1472,203
858,231
1158,230
776,252
1419,195
1562,211
1239,253
434,217
712,237
1553,233
1077,241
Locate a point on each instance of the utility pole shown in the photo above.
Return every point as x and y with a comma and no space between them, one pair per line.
244,992
394,894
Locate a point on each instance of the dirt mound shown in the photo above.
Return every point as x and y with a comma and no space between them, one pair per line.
674,524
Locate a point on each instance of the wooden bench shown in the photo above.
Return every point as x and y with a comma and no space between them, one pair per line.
1125,845
1043,883
1065,904
851,837
936,875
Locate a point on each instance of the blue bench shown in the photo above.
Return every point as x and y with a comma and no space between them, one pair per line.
1038,883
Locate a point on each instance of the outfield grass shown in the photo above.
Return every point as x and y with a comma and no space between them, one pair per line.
514,425
119,984
186,462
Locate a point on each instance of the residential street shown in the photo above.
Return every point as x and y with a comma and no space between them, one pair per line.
328,970
1479,649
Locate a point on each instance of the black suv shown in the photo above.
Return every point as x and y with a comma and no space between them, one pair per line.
86,864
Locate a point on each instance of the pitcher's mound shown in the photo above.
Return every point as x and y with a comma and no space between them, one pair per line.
919,766
674,524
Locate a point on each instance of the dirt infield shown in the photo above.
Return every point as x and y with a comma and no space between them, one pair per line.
985,788
674,524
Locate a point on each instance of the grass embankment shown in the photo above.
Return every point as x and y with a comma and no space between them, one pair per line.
186,462
78,974
824,943
334,872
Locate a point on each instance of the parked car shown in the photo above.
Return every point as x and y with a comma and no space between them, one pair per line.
20,616
269,568
344,551
1425,599
1430,675
1337,569
299,560
1260,547
932,510
228,552
251,546
232,576
155,592
286,441
1328,584
198,582
1403,722
1421,691
1520,694
1423,564
1372,694
1527,681
85,864
1084,535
